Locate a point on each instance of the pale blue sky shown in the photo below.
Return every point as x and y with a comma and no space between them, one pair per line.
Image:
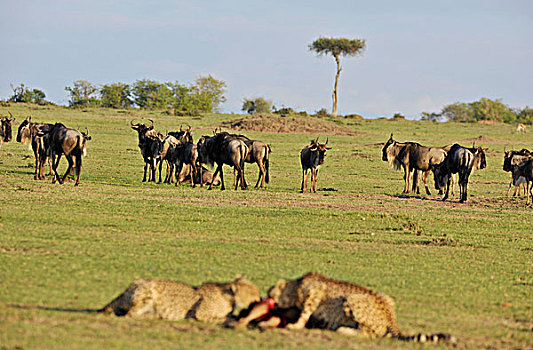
420,56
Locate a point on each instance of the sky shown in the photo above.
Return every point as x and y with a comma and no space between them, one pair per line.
420,55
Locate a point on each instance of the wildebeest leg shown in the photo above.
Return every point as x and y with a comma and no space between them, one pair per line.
463,181
70,163
314,179
179,167
406,175
416,180
194,173
262,174
78,170
528,191
426,173
236,177
145,168
54,167
218,170
305,175
160,161
447,189
153,168
37,165
243,180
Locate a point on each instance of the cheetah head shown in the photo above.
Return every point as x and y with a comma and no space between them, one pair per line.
245,292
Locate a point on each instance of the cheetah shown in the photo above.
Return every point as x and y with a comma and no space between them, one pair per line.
171,300
343,306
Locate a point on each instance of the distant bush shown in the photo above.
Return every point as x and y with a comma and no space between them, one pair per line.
285,111
398,116
22,93
353,116
257,105
322,113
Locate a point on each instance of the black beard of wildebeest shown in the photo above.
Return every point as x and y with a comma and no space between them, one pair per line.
28,133
224,149
311,158
459,160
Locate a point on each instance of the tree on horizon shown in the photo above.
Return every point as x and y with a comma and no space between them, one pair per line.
337,47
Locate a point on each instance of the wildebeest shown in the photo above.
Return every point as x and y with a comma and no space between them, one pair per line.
459,160
185,176
28,134
259,153
60,140
223,149
525,169
150,144
510,159
412,157
6,132
311,158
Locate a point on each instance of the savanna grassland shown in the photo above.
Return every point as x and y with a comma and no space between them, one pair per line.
465,269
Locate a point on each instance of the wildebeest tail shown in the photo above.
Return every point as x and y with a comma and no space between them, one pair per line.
267,156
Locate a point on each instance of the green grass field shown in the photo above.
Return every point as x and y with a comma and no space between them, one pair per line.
465,269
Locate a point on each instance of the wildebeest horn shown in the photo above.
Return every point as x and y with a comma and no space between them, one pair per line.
327,139
189,129
151,121
181,129
86,131
131,122
505,149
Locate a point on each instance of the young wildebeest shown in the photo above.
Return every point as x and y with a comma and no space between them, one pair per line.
412,157
311,158
6,132
459,160
60,140
150,145
28,134
510,159
223,149
525,169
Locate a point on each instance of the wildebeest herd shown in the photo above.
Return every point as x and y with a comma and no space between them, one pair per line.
186,160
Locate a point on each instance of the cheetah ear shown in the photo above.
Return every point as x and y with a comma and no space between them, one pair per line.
281,284
239,278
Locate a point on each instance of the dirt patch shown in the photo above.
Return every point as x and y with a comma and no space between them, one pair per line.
483,139
291,125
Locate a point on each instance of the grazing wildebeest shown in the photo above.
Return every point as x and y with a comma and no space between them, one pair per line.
60,140
525,169
6,132
150,144
28,134
459,160
223,149
412,157
311,158
510,159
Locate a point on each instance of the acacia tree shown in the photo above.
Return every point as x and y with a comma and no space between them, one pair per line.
337,47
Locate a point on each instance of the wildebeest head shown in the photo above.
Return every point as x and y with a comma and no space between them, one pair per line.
389,142
440,175
142,129
86,137
480,158
24,132
321,148
7,131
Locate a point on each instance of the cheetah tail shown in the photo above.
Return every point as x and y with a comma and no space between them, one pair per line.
429,338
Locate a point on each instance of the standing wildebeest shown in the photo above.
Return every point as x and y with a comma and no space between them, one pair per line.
28,134
6,132
60,140
150,145
412,157
187,154
259,152
510,159
223,149
525,169
312,157
459,160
